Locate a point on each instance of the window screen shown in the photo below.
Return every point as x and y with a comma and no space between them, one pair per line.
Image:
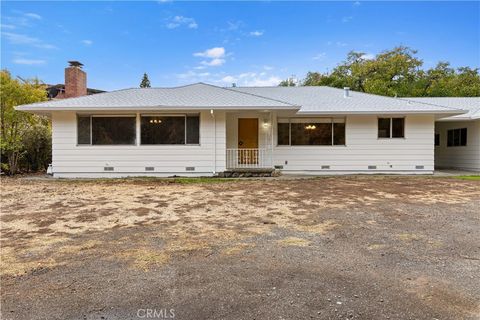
398,127
384,127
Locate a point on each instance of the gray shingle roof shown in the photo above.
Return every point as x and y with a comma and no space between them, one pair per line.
320,99
465,103
195,96
309,100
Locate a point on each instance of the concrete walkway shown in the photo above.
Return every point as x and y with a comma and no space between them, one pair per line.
452,172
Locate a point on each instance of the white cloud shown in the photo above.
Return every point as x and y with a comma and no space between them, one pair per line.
341,44
320,56
7,26
87,42
214,62
229,79
265,82
257,33
217,52
33,16
251,79
29,62
16,38
368,56
347,19
179,21
268,68
356,3
215,55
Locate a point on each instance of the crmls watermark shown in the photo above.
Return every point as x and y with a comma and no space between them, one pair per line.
156,313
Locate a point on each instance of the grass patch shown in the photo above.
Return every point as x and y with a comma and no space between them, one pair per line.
474,178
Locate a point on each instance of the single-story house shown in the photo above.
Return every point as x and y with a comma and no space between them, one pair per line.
457,138
201,130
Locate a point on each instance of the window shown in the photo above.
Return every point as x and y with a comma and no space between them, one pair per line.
283,133
457,137
398,127
181,129
311,131
437,139
105,130
193,130
339,133
84,129
391,127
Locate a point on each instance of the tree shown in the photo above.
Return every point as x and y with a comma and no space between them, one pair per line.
145,81
290,82
398,72
37,146
14,124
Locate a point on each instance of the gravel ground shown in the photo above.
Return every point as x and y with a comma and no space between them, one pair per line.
326,248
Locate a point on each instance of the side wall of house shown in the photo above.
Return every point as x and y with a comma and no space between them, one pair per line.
71,160
363,149
463,157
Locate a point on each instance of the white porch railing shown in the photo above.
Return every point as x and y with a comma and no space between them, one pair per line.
247,158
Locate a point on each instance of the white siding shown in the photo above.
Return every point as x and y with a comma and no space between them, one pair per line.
364,149
70,160
466,157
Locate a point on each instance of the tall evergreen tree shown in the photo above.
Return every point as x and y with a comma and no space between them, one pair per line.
145,81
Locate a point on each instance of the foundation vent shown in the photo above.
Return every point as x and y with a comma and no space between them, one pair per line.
419,167
325,167
278,167
372,167
149,168
107,168
190,168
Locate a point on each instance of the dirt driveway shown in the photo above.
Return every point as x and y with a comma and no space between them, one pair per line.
325,248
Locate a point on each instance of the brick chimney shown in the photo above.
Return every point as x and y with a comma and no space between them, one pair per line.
75,80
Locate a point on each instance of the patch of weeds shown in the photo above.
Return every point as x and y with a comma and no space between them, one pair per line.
238,248
294,241
145,259
473,177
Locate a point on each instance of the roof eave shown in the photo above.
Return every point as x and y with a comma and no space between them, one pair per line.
442,112
150,108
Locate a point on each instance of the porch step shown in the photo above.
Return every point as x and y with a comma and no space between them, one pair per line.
249,173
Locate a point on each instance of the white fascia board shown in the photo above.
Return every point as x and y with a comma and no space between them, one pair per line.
156,108
446,113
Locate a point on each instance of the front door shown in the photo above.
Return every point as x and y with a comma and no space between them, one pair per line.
248,140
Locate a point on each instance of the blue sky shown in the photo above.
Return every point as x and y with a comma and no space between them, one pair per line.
250,43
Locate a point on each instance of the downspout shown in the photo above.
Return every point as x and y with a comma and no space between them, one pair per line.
214,142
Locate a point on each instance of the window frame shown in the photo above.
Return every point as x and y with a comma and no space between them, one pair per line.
453,145
184,115
101,115
332,121
391,127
